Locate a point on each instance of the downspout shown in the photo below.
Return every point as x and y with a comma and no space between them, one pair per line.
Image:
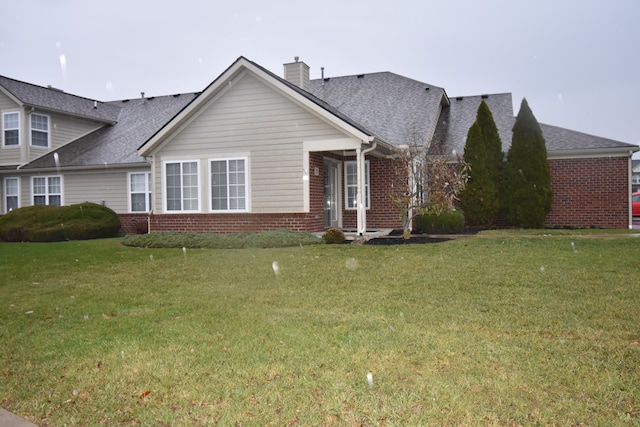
361,199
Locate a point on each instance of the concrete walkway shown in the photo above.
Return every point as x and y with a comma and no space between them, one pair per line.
7,419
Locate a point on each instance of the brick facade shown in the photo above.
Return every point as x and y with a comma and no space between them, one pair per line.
591,192
382,213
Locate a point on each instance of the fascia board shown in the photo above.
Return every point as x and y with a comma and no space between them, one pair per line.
12,96
591,153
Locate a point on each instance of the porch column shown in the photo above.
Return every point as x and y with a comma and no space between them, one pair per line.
360,197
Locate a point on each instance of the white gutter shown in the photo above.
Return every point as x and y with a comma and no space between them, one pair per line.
360,198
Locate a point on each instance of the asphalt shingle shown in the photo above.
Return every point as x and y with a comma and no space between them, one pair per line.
398,110
117,144
59,101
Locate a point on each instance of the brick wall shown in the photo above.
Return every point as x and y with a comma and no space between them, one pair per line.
133,223
231,223
382,213
590,193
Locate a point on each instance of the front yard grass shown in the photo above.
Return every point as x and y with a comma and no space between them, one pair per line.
476,331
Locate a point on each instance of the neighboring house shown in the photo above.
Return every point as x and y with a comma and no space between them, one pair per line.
254,152
635,176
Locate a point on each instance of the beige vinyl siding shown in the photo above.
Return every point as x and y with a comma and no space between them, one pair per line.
9,155
65,129
62,130
251,119
97,186
109,186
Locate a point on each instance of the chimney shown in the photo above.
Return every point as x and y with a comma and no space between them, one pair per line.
297,73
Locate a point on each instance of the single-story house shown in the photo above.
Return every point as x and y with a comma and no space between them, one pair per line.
254,151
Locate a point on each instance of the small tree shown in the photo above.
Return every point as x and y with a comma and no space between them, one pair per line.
425,184
526,191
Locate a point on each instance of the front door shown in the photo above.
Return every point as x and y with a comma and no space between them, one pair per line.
331,198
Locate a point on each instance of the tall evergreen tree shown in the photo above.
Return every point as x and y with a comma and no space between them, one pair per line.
493,144
483,153
526,194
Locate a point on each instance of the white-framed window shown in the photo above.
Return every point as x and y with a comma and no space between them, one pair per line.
47,190
11,194
635,179
228,183
39,129
182,186
139,191
11,129
351,185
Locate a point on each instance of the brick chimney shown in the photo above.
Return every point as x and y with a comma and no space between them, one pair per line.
297,73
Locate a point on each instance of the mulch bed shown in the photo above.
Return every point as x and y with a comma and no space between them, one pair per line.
395,238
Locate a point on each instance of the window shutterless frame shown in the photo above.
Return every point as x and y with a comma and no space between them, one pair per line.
229,184
139,190
181,184
39,130
11,194
46,190
11,129
351,185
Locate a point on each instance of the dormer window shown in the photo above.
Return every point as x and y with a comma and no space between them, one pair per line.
11,129
39,130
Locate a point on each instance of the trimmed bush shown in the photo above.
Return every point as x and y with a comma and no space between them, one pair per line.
333,235
58,223
445,223
267,239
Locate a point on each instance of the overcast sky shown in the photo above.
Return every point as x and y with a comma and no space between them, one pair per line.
576,61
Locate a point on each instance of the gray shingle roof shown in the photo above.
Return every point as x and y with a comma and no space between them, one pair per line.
455,121
117,144
58,101
396,109
558,139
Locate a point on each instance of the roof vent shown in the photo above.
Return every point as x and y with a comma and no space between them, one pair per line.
360,76
484,96
427,88
459,98
54,88
95,104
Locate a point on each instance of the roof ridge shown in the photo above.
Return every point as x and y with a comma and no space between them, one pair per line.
379,73
50,88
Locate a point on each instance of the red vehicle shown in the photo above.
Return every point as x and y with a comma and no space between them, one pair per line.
635,204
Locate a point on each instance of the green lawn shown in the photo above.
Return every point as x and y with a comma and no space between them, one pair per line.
478,331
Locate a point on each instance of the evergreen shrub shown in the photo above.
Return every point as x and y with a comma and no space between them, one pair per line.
333,235
444,223
81,221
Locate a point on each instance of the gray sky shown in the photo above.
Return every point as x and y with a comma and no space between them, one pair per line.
576,61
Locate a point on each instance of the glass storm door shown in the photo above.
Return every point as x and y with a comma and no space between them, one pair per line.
330,194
